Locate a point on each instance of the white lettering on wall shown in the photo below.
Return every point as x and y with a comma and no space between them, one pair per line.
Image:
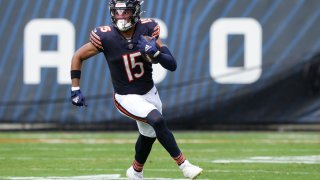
35,58
252,32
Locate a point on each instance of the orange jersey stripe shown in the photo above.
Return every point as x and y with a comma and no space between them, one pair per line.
95,35
157,28
95,40
155,34
96,45
156,31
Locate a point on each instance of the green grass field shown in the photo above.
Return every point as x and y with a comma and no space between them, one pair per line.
222,155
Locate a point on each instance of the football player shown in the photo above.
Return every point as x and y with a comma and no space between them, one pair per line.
131,45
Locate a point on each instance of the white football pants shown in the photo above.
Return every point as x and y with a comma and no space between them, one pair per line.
137,107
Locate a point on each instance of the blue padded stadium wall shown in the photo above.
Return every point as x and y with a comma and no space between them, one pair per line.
274,82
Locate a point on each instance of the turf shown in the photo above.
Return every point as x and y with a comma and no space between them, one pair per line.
62,154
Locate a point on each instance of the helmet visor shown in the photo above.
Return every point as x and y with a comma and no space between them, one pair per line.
122,13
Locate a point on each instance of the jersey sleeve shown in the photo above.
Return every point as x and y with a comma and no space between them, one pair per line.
156,31
153,27
96,39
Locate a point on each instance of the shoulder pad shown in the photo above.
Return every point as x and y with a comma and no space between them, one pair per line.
153,27
97,35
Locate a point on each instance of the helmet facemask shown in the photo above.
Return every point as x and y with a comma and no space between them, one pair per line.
124,14
123,18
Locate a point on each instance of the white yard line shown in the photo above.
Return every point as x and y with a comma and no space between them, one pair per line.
312,159
190,149
93,177
25,158
118,176
263,171
177,170
89,177
132,141
114,159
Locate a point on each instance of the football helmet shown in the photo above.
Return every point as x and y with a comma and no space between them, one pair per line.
124,13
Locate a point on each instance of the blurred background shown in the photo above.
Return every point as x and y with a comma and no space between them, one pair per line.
242,64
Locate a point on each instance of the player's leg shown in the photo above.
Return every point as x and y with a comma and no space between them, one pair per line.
143,145
142,150
167,140
135,107
165,136
149,105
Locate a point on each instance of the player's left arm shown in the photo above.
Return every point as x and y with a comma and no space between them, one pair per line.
159,52
154,48
165,58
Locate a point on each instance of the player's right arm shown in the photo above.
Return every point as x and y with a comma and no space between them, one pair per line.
85,52
88,50
92,48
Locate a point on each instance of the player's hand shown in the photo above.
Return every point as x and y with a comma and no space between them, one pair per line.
78,99
148,46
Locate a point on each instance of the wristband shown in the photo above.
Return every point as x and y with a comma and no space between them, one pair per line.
156,54
75,88
75,74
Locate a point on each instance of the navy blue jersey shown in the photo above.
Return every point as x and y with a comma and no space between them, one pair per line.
130,73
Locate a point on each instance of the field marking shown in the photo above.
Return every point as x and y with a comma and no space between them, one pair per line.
25,158
263,171
114,159
133,141
93,177
190,149
313,159
118,176
89,177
